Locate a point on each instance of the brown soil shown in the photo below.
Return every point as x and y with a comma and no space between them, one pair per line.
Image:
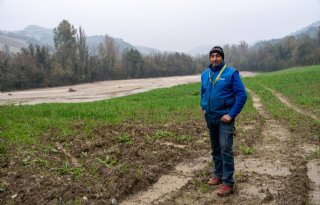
98,168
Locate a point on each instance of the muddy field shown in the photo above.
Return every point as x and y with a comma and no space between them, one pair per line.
160,164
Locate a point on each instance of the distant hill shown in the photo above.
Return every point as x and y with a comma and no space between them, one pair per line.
44,36
200,50
147,50
13,44
310,30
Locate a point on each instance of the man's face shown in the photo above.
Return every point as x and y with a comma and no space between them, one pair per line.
215,59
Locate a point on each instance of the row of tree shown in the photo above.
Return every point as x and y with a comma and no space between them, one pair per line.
71,62
270,56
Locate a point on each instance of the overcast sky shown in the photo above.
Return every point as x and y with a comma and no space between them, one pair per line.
174,25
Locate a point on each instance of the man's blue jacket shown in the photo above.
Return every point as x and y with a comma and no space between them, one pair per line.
228,96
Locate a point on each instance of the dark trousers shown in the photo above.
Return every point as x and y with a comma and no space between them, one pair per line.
221,139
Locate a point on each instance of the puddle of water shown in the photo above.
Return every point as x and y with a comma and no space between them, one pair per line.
262,167
314,175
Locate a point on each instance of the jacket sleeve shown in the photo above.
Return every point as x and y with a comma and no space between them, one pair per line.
241,95
202,90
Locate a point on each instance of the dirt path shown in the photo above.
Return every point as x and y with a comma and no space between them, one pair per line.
275,174
96,91
167,184
313,166
285,101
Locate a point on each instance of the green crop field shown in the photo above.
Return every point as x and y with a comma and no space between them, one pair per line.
26,123
301,85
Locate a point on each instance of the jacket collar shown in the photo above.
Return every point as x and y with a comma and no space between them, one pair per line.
217,67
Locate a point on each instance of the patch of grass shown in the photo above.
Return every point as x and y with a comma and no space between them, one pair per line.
139,171
108,161
300,85
317,152
297,123
124,168
92,170
28,160
204,188
185,138
2,188
241,177
125,138
246,149
162,134
67,169
2,149
26,123
50,149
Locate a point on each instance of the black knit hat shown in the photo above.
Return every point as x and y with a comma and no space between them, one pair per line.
217,49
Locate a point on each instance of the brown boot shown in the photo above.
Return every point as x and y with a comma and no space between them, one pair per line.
225,190
214,181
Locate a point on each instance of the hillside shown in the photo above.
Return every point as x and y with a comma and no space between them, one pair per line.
310,30
13,44
44,36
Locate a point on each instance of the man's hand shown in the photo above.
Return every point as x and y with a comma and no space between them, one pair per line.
226,118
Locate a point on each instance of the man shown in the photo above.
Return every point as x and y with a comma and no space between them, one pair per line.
222,98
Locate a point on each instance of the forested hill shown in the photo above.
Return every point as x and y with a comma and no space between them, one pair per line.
44,37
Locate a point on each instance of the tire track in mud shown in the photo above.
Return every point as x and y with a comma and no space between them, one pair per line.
274,174
167,184
285,101
268,169
313,166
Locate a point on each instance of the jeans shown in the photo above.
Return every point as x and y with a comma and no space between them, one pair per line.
221,139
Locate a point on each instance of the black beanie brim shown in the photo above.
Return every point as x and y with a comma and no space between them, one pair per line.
217,49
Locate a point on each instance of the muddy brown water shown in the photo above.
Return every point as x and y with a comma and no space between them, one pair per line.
89,92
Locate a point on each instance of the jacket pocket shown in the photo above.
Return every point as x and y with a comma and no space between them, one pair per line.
204,99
